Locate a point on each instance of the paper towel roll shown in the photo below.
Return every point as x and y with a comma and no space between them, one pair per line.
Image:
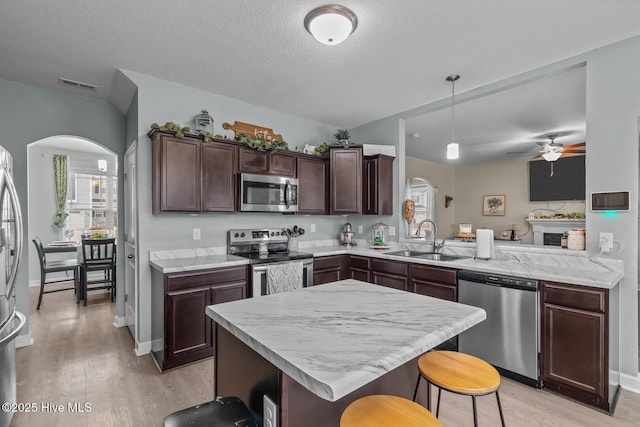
484,243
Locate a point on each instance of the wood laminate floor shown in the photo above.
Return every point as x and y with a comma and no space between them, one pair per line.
79,356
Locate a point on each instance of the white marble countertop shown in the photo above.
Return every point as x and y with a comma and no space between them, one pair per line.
335,338
558,265
193,259
527,261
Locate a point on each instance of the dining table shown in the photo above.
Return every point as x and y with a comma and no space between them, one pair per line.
58,246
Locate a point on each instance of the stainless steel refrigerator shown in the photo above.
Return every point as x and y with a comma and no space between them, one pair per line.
11,320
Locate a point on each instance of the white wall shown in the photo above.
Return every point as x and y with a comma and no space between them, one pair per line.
29,114
613,107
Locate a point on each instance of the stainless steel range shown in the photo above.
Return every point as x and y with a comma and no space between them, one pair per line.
267,248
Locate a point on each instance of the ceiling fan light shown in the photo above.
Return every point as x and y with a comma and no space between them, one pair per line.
453,151
551,156
331,24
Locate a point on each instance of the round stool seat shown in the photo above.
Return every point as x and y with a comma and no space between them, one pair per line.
459,372
387,411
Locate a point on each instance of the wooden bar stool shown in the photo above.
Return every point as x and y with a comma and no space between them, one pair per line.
387,411
459,373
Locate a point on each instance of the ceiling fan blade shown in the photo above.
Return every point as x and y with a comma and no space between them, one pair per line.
569,147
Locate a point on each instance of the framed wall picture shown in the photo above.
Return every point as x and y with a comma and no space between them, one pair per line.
494,205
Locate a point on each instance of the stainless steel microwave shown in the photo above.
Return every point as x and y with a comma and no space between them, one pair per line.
268,193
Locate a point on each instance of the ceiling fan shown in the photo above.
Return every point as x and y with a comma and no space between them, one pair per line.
552,151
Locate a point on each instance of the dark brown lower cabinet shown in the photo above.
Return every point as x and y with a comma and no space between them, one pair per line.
188,332
392,274
575,342
330,268
434,282
360,267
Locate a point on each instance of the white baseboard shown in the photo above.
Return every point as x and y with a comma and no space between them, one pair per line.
614,378
630,383
157,345
119,322
34,283
143,348
24,340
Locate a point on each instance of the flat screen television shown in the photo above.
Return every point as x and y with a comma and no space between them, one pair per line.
567,182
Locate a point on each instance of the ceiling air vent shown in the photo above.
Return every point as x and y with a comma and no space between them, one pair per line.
76,84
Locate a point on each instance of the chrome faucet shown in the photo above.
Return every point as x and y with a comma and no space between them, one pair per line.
433,246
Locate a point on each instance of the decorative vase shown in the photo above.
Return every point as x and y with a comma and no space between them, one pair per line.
409,211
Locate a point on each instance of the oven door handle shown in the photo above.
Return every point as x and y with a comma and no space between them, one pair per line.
287,194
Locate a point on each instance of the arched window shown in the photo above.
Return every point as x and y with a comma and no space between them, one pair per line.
423,194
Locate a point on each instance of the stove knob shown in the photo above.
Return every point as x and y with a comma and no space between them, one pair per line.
273,234
242,235
236,235
277,233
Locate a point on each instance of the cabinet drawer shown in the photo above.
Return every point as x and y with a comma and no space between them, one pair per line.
186,280
391,267
230,274
390,281
360,262
582,298
433,274
328,262
436,290
362,275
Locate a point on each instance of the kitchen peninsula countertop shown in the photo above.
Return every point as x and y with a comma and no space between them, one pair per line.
335,338
527,261
541,263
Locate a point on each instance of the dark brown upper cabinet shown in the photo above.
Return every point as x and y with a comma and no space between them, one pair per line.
264,162
312,181
377,185
345,189
190,175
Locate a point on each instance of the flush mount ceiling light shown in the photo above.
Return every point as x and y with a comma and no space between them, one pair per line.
453,149
331,24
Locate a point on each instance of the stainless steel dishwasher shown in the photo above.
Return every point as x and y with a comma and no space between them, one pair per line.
509,338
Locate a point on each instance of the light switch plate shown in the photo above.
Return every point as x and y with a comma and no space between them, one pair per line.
392,230
196,234
360,229
313,228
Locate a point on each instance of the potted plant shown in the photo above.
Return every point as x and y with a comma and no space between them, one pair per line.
343,136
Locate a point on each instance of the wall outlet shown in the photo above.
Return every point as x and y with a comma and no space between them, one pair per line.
392,230
313,228
606,242
360,229
270,412
196,234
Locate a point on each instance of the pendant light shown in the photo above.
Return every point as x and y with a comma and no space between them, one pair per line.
453,149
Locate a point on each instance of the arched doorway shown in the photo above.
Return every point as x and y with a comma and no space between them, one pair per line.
91,202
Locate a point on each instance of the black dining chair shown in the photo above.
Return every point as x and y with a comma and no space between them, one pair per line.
47,267
98,255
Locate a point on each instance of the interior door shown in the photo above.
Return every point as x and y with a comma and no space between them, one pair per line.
130,233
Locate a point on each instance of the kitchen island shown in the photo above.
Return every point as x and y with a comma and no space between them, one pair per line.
315,350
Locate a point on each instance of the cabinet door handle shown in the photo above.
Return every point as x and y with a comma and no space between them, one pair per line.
131,256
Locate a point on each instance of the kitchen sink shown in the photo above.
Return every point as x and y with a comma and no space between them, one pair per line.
433,256
408,253
440,257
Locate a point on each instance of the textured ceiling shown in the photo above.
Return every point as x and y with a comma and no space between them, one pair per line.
259,51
